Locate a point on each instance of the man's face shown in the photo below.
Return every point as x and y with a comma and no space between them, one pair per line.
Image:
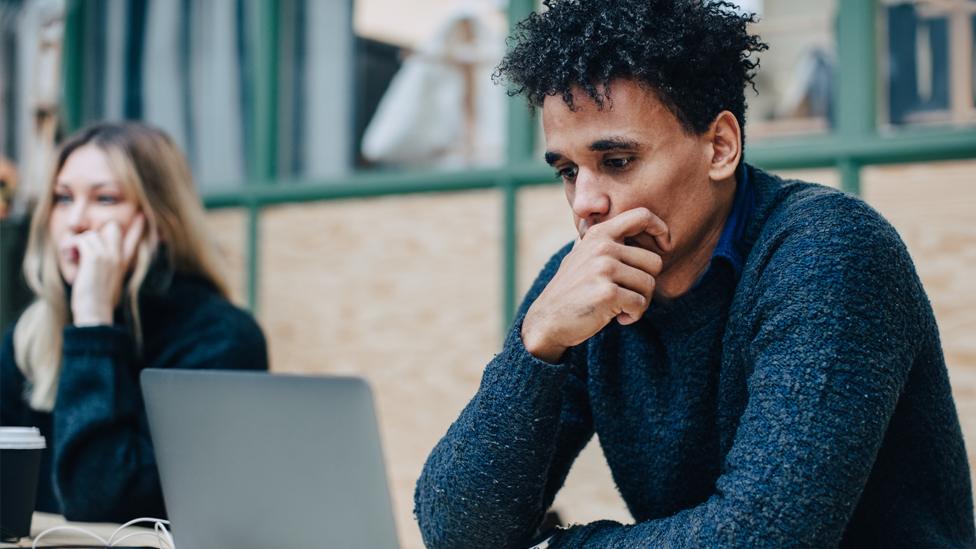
633,153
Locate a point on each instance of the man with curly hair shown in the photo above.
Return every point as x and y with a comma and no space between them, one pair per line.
757,356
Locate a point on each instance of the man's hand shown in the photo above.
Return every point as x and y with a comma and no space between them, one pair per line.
601,279
104,257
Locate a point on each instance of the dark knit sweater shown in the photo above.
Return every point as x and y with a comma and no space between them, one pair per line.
805,403
99,463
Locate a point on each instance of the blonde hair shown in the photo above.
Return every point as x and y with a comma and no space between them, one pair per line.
151,168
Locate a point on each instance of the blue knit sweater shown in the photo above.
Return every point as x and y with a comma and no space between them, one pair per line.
804,403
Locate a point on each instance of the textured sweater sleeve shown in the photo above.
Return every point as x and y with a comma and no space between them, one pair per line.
104,465
489,481
839,313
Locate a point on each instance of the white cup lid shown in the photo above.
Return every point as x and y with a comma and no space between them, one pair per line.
21,438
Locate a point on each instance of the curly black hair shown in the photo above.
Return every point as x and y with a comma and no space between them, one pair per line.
695,55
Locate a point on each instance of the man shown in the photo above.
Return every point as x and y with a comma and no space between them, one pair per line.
757,356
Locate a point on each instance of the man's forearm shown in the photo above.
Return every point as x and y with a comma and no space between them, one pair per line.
485,482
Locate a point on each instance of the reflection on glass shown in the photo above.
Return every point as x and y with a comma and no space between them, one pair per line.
930,64
795,78
440,108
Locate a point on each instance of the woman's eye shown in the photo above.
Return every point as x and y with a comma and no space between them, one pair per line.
62,198
618,163
107,199
567,174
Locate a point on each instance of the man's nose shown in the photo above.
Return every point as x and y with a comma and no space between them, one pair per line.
590,199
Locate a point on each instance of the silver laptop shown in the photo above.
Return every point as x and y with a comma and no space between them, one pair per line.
254,460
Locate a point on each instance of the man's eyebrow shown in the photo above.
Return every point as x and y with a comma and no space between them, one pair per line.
613,144
600,145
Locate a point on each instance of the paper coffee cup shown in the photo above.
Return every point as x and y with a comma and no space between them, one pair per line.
20,460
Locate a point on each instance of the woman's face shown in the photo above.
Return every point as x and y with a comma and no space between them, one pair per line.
87,197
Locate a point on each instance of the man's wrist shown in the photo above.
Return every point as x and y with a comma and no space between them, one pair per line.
540,347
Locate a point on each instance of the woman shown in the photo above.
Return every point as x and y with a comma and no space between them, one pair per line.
125,279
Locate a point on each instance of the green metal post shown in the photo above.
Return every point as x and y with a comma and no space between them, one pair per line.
520,149
72,70
264,45
262,160
850,175
521,123
253,255
509,253
856,91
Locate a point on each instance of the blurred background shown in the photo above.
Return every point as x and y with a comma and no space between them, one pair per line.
382,206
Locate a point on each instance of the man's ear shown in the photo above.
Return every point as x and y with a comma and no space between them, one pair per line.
725,138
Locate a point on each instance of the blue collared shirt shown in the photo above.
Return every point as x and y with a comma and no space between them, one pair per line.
730,243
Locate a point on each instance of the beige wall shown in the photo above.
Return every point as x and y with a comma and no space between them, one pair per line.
406,292
229,230
403,291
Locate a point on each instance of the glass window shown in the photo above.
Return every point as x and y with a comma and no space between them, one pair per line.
795,80
929,70
424,95
370,83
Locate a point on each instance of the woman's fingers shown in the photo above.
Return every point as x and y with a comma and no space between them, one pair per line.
132,238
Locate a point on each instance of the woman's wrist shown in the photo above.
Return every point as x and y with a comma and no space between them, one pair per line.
93,317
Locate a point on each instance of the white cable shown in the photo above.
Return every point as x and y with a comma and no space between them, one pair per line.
133,522
159,539
163,537
160,527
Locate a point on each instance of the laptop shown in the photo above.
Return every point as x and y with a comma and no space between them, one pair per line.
255,460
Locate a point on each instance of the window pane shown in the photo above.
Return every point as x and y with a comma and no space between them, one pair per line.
423,90
796,75
929,70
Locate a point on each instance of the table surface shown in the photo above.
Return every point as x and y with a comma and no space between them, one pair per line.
43,521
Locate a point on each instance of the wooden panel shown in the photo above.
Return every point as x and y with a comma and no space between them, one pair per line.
404,291
229,228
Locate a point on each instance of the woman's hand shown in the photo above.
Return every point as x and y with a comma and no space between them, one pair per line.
104,259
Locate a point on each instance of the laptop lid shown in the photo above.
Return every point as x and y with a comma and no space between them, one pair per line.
250,459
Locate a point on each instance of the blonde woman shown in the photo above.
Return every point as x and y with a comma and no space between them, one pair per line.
124,279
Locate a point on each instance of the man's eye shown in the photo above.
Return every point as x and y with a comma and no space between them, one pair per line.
567,174
618,163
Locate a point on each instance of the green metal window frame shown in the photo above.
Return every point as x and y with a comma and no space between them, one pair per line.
854,143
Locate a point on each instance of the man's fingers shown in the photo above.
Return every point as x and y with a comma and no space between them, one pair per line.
635,222
633,279
640,258
631,306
